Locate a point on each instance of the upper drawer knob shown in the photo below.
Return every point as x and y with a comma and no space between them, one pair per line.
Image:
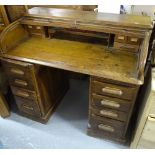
30,27
121,37
38,27
134,39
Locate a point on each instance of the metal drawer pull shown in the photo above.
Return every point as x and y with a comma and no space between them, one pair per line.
134,39
106,128
114,91
121,37
110,103
30,27
108,113
38,27
17,71
27,107
22,94
21,82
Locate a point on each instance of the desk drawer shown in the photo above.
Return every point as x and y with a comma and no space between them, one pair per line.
121,38
19,73
24,93
122,92
17,68
127,47
108,113
21,83
134,40
127,39
36,29
28,106
100,101
105,126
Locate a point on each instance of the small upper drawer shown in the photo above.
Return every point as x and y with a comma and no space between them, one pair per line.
109,102
121,38
128,47
122,92
24,93
35,29
108,113
133,40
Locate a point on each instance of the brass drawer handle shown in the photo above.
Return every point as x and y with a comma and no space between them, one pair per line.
21,82
134,40
27,107
22,94
29,26
17,71
121,37
108,113
106,128
110,103
38,27
114,91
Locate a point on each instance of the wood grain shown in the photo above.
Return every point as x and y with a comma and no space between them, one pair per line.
79,57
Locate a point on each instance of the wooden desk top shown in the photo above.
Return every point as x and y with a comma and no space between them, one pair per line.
78,57
88,16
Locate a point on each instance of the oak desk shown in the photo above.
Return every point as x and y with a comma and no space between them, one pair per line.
111,49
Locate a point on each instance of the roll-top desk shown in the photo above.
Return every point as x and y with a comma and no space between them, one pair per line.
111,49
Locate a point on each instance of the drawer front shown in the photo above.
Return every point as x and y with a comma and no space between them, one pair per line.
35,29
127,39
21,83
108,113
121,38
128,47
24,93
106,126
100,101
19,73
28,106
122,92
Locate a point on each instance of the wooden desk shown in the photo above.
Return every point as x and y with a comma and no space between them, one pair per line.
111,49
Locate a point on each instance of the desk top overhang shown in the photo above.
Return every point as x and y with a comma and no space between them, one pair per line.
132,21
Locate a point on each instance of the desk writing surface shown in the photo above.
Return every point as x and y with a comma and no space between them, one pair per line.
87,58
88,16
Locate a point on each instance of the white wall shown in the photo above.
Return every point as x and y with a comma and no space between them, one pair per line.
148,10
